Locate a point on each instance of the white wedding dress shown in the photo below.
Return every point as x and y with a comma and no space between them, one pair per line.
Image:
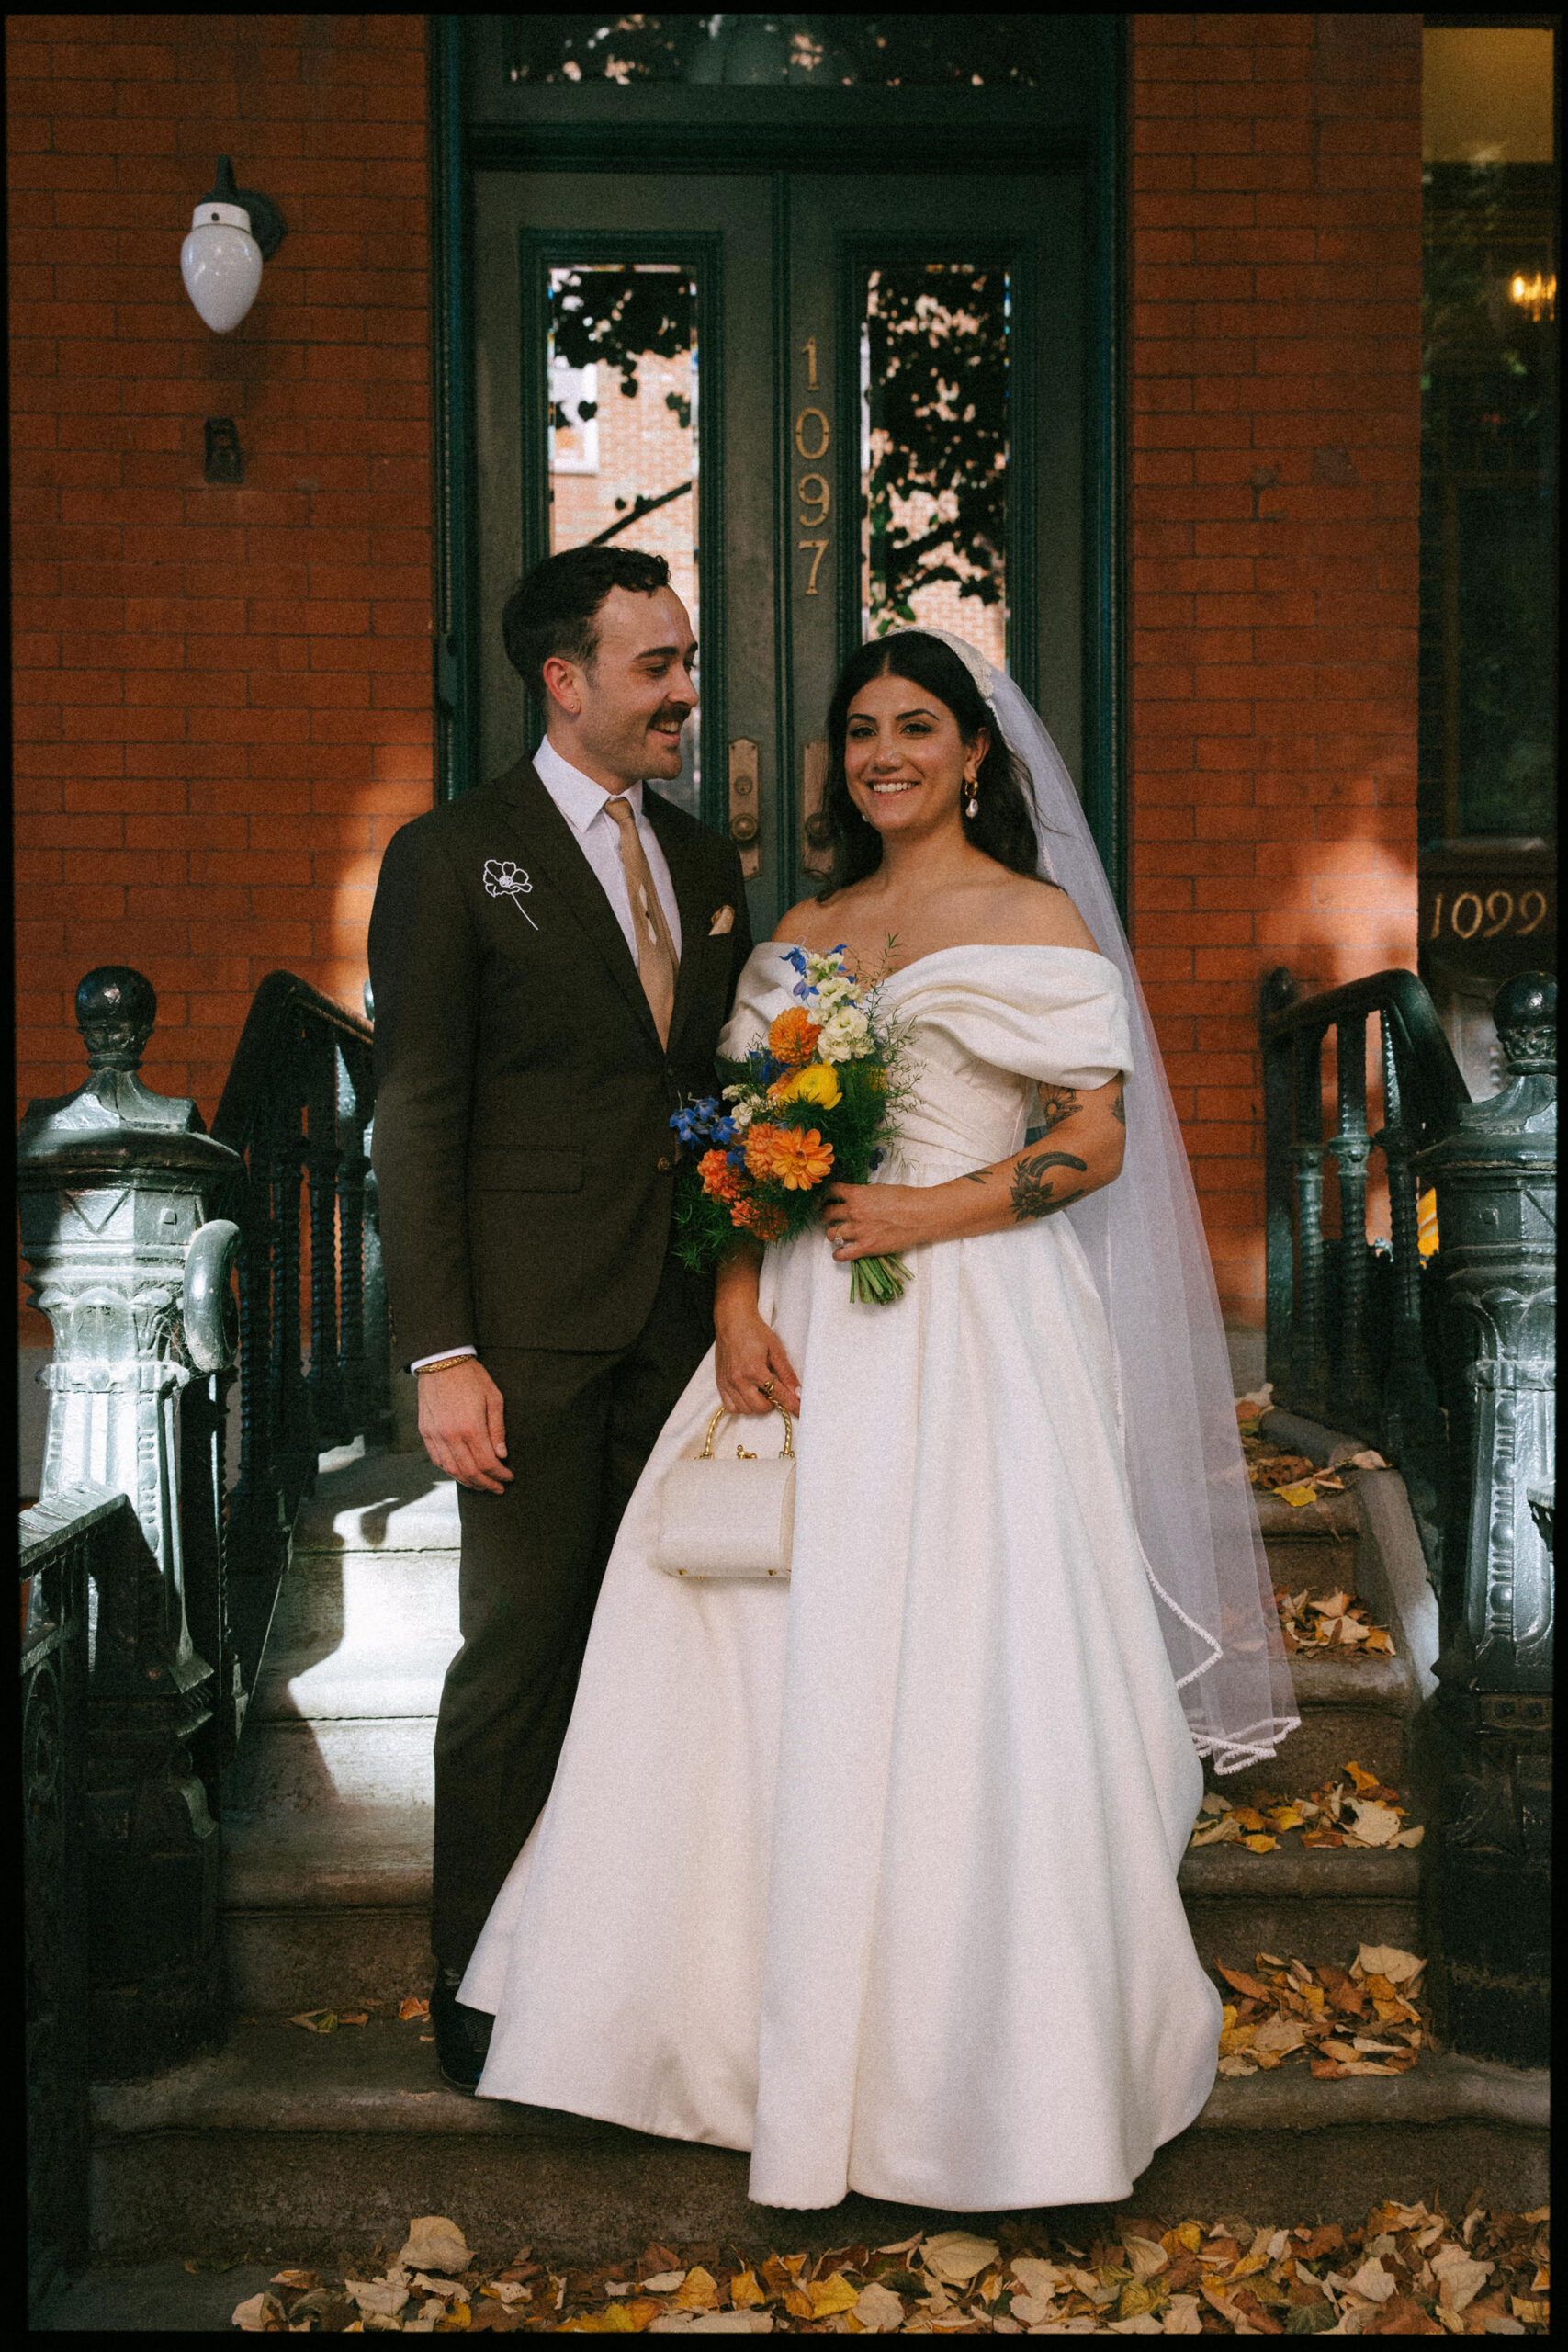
874,1873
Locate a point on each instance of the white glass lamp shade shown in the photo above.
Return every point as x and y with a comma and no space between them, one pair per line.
221,263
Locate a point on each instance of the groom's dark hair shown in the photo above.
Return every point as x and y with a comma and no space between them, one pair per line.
552,608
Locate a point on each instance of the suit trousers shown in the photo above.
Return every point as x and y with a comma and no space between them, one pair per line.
580,1427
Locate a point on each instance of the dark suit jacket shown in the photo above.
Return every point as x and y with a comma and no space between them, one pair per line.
523,1150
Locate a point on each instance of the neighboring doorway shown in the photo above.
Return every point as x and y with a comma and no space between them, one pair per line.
842,370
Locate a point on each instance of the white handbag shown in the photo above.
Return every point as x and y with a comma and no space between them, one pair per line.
728,1518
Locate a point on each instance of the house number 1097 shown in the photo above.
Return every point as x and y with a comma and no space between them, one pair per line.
812,438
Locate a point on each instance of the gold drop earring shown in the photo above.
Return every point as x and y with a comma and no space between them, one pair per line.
972,806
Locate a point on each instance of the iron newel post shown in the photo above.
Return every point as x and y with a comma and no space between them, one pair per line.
1496,1176
114,1182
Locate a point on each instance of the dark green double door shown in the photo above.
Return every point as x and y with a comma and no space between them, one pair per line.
835,401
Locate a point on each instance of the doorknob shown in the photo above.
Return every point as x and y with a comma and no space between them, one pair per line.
816,828
745,804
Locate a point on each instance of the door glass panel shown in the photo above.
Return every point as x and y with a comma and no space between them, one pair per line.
811,52
934,423
623,424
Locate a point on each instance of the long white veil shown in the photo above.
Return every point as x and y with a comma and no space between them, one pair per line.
1144,1243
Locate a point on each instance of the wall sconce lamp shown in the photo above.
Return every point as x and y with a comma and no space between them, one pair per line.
233,231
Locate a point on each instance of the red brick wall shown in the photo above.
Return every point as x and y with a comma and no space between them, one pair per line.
1275,389
222,695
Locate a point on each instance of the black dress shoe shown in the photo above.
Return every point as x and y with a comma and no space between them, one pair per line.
462,2035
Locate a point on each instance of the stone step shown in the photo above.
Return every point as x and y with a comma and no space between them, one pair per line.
307,2143
1300,1901
315,1919
338,1766
1360,1707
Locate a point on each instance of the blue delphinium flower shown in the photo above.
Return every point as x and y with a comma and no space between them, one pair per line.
691,1124
724,1131
795,956
735,1159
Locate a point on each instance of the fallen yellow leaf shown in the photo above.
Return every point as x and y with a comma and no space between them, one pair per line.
409,2007
830,2295
1259,1845
744,2291
698,2291
316,2020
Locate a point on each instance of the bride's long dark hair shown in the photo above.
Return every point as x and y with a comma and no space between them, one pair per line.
1002,825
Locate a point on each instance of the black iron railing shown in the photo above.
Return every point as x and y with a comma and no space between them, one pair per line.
65,1545
134,1225
1359,1335
1445,1358
313,1341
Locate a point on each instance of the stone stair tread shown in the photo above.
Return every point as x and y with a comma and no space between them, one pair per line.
1330,1518
353,1681
274,2077
1303,1872
384,1502
1387,1684
376,1860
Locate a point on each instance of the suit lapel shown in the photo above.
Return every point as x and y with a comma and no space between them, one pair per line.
690,898
551,843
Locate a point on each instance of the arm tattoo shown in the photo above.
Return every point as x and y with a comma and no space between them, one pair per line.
1033,1190
1056,1104
975,1175
1119,1108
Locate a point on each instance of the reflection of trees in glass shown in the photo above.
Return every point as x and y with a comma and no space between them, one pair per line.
804,50
937,400
617,317
1488,521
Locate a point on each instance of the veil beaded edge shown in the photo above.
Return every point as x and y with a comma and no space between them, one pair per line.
1144,1242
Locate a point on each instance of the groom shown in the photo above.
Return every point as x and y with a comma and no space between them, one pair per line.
553,958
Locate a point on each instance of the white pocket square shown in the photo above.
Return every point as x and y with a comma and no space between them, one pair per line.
722,921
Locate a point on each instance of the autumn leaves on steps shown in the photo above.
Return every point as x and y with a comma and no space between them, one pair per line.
1408,2271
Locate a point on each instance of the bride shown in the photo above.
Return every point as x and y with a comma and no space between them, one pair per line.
874,1872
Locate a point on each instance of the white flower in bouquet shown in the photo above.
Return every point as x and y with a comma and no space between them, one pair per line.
844,1035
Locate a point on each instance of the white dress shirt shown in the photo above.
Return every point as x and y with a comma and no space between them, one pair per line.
584,803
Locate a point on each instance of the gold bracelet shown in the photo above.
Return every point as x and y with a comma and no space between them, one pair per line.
444,1364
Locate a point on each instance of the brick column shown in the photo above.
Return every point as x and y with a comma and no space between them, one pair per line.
1275,387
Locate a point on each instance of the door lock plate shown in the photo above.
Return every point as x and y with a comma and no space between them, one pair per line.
815,835
745,803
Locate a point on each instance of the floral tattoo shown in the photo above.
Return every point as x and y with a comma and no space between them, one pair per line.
1119,1107
1034,1192
1056,1104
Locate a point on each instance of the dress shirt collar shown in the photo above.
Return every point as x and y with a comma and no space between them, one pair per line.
577,797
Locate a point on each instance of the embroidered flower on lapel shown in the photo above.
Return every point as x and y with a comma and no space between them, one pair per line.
503,879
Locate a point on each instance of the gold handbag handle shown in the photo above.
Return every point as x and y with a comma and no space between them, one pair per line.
787,1455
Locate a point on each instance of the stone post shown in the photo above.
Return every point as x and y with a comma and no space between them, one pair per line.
1496,1175
114,1182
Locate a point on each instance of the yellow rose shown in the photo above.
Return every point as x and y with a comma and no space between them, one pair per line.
815,1083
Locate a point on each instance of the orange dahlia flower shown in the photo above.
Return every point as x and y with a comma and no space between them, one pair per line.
718,1178
792,1157
793,1037
764,1218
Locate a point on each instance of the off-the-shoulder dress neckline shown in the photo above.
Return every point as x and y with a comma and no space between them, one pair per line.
970,947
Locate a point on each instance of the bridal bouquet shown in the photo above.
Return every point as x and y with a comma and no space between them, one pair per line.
815,1101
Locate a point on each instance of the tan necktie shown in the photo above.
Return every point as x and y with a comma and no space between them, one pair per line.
656,957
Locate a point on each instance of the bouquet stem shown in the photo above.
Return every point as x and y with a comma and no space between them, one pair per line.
876,1282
